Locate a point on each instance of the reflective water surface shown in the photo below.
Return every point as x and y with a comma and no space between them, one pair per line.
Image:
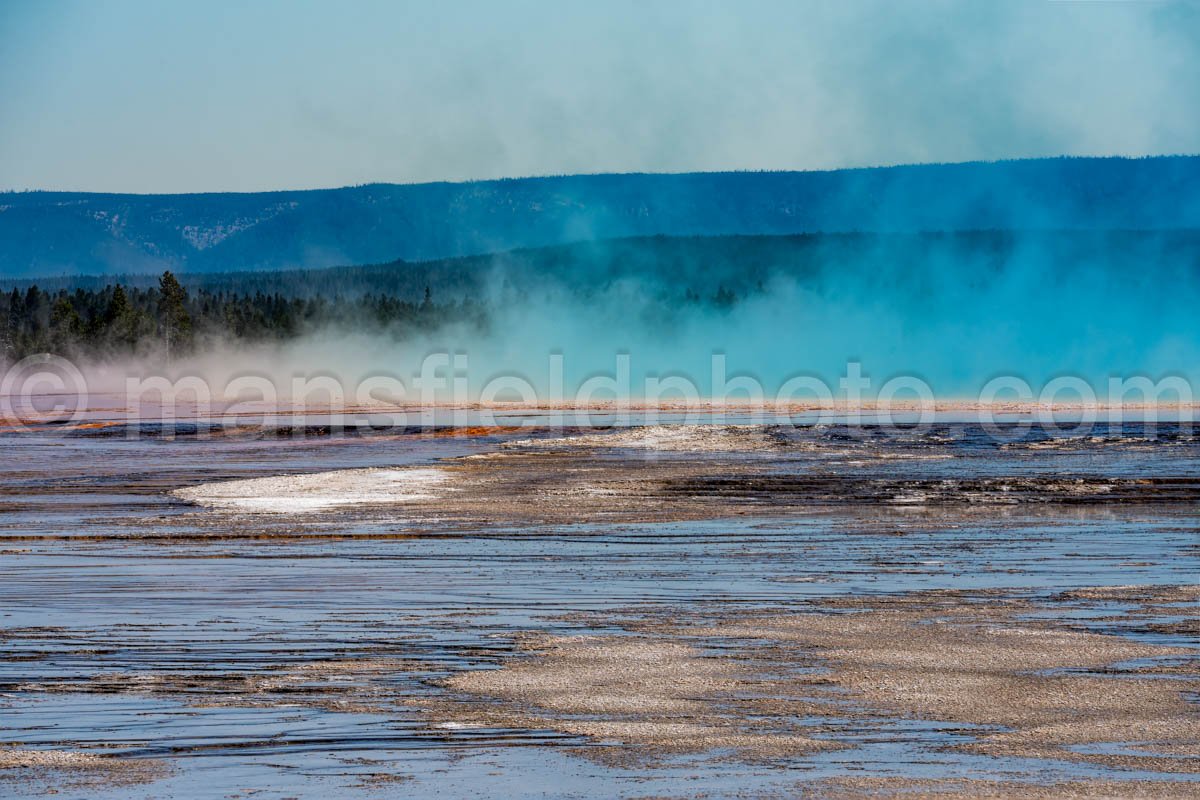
223,653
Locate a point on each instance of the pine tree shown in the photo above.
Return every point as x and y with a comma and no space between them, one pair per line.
66,326
117,326
12,332
175,322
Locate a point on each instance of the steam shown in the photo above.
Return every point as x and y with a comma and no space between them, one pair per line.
1035,306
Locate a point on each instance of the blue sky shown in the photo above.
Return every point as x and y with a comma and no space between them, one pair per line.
127,95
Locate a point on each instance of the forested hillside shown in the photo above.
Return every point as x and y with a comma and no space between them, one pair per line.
99,316
168,319
58,233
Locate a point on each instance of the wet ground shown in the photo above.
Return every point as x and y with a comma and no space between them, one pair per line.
717,611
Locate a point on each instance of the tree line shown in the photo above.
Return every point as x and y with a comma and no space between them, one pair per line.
168,320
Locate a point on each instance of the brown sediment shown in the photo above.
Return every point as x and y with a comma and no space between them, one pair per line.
660,696
668,439
640,474
705,473
974,789
50,771
1187,627
1144,595
353,685
1033,689
561,487
473,431
972,668
377,780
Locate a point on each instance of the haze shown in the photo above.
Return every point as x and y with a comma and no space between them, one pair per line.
184,97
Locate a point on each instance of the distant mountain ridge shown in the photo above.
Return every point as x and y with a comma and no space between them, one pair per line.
57,233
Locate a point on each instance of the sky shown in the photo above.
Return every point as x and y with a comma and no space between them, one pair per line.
184,96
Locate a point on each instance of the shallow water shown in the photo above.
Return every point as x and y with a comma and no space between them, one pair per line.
137,623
